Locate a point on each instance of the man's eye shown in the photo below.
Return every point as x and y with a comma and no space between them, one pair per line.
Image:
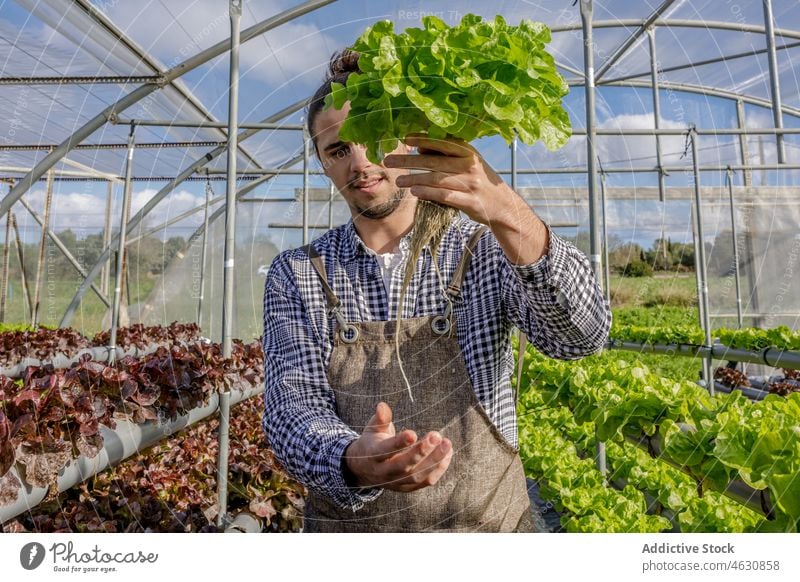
342,150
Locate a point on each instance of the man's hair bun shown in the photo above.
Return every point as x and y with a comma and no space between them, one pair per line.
343,63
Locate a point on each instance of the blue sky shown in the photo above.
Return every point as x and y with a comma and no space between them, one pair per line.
287,64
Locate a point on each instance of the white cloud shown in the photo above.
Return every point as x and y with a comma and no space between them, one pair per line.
282,54
627,151
84,212
624,149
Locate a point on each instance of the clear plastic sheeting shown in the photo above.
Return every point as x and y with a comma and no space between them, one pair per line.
96,38
77,44
177,294
769,259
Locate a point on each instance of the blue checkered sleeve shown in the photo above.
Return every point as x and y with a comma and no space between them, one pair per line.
557,301
300,419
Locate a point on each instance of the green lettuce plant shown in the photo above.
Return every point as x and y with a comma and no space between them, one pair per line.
478,78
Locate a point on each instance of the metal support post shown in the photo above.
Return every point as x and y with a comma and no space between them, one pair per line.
21,256
123,231
604,209
306,160
222,459
654,71
729,178
588,58
204,255
708,375
774,83
126,280
591,170
37,286
743,145
235,11
6,267
699,284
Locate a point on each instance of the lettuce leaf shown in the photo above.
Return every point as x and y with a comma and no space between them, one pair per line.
475,79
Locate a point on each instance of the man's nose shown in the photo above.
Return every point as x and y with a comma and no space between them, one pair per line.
358,159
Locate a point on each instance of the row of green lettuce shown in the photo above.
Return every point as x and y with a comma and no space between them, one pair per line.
576,487
4,327
729,438
746,338
674,493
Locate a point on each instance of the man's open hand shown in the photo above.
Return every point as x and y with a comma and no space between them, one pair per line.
400,462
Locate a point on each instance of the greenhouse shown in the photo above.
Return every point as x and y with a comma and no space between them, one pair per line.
156,159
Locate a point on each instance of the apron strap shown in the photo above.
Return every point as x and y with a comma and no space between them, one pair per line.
319,267
454,288
348,333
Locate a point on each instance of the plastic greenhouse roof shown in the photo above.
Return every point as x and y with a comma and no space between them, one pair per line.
70,38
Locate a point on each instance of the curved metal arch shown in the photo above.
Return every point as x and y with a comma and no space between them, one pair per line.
677,23
697,89
160,195
701,90
680,23
687,87
632,39
100,18
704,62
140,93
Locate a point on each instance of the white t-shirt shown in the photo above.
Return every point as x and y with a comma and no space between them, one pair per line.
388,262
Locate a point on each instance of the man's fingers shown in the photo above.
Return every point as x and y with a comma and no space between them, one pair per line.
406,462
429,471
418,461
435,179
391,446
437,470
381,421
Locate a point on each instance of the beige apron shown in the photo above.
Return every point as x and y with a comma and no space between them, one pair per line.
484,487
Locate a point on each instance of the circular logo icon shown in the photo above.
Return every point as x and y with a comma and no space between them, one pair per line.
31,555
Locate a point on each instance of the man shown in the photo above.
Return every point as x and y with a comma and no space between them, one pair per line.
443,457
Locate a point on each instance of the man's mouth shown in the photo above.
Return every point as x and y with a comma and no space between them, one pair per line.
367,184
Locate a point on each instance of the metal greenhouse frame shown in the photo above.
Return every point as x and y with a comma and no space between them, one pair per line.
232,133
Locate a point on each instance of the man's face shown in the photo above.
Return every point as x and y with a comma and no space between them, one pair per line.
369,189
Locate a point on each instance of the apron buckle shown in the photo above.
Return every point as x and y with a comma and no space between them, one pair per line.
440,324
347,333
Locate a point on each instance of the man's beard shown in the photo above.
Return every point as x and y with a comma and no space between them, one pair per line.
384,209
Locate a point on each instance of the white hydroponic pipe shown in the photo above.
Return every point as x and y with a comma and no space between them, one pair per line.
98,354
118,444
770,356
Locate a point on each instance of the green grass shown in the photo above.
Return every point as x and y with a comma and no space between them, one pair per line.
56,296
674,290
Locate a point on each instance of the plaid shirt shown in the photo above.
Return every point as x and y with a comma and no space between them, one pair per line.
555,301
